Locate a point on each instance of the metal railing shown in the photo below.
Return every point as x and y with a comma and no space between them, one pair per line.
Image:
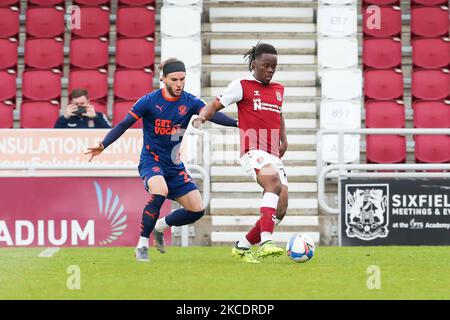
343,170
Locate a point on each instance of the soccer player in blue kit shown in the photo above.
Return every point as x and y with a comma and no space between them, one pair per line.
165,114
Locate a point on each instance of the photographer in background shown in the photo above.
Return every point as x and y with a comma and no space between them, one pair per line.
81,114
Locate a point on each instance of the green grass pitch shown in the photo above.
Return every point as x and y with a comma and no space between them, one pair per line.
211,273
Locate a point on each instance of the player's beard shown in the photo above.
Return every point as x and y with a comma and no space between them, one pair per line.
172,92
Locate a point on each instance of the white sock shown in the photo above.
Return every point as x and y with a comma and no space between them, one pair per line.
266,236
270,200
143,242
161,225
244,243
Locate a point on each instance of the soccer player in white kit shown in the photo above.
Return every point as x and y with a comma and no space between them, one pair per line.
263,142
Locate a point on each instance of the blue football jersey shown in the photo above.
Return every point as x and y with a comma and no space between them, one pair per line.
164,122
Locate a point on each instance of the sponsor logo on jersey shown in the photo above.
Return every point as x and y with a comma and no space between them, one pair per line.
165,127
259,105
256,93
159,107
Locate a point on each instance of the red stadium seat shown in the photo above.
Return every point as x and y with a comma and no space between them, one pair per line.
92,2
390,22
8,85
383,84
381,2
382,53
430,84
9,22
431,114
135,53
137,3
8,54
39,114
6,115
132,84
429,22
94,23
428,2
385,114
100,106
432,148
135,22
120,110
45,22
89,53
46,3
94,81
9,3
41,85
386,149
44,53
431,53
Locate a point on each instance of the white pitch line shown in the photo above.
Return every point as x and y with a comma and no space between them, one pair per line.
49,252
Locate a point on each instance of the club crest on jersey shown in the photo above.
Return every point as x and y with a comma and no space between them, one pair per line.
278,94
182,110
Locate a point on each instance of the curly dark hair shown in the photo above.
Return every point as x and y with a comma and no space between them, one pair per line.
258,50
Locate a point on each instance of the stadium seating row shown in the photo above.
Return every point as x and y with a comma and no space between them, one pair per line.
89,54
48,22
384,85
47,3
385,2
425,21
431,58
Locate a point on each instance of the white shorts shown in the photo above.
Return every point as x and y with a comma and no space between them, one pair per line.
256,159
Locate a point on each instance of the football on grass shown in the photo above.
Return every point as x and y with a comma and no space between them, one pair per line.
300,247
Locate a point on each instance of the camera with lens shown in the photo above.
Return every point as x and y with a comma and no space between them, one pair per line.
80,111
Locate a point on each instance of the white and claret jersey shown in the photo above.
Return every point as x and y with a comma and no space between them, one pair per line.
259,113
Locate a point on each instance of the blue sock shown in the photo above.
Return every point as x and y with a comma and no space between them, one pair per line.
181,217
151,214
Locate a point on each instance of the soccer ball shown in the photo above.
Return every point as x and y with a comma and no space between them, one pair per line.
300,247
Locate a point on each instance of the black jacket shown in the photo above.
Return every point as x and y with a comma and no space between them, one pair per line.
99,122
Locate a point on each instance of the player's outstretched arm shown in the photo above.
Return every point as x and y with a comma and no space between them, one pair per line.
95,151
112,136
224,120
207,113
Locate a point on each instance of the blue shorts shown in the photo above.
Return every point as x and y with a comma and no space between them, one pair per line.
179,182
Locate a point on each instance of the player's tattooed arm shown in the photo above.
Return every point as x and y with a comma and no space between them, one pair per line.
283,137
